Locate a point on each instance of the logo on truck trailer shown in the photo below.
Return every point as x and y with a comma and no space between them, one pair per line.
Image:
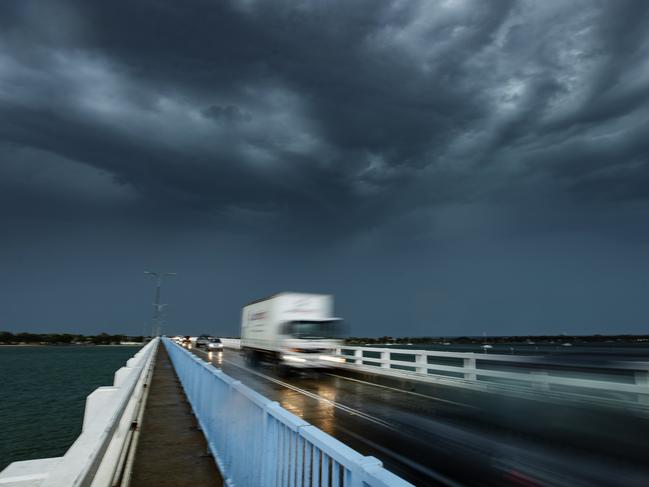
302,306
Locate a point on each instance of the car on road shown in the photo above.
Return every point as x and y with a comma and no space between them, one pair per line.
202,341
215,344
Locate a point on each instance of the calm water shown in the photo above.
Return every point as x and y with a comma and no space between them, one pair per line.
43,392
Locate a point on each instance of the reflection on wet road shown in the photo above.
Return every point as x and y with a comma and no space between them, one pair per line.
452,436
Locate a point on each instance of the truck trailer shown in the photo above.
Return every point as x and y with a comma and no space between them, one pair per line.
291,331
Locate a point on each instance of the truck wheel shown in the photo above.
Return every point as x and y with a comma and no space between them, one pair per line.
251,358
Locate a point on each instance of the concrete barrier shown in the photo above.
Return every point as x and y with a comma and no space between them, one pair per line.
98,455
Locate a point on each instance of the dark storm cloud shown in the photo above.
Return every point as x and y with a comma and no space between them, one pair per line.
229,113
346,113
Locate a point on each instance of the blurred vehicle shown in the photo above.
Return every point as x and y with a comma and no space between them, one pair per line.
186,341
215,344
202,341
291,331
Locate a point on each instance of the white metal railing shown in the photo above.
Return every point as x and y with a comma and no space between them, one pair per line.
98,455
617,381
257,442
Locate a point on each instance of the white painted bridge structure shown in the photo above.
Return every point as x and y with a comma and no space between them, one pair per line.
254,441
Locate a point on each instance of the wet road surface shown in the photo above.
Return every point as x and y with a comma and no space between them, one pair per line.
454,436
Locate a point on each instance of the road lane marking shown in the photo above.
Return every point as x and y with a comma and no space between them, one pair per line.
317,397
405,392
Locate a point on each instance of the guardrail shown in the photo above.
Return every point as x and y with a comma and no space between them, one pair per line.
257,442
99,454
613,383
627,382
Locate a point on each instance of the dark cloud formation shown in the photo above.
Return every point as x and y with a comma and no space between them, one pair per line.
229,114
322,143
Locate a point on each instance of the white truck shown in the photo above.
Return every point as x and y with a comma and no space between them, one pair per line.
292,331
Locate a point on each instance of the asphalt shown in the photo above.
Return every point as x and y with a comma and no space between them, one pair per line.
452,436
171,450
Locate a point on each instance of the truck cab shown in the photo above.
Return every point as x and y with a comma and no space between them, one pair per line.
309,343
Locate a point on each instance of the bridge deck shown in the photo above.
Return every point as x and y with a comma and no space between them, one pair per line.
171,451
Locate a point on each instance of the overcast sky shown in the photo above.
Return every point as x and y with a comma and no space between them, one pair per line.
442,167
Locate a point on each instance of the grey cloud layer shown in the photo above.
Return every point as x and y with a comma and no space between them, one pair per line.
345,113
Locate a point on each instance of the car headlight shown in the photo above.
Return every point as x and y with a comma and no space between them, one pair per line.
331,358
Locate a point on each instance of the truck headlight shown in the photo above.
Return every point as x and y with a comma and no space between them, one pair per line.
291,358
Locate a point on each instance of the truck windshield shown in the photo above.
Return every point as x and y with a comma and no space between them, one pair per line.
314,329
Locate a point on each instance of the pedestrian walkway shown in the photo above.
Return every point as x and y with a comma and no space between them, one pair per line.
171,450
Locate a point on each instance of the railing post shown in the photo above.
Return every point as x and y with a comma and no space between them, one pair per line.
269,440
421,361
385,359
369,465
642,380
358,356
469,365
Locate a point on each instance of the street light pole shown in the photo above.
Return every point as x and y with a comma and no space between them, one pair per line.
157,307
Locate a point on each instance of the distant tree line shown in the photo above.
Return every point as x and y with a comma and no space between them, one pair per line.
8,338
